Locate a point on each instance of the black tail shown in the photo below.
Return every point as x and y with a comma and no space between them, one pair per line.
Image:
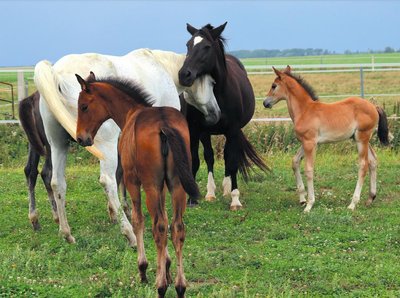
248,156
175,141
28,119
383,127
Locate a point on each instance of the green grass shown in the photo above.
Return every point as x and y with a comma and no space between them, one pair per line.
270,248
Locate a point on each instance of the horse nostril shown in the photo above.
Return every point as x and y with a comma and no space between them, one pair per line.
188,74
79,140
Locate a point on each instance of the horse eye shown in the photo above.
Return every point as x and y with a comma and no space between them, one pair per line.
84,107
273,86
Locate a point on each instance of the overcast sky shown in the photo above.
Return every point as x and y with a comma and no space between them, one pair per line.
36,30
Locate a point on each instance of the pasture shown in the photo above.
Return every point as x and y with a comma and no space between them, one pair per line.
270,248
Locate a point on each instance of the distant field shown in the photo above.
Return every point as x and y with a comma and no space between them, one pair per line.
326,59
329,86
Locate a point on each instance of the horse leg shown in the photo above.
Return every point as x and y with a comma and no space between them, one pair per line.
299,181
372,162
58,140
155,202
309,152
209,158
133,187
122,188
46,177
108,167
231,154
362,147
178,236
31,173
194,150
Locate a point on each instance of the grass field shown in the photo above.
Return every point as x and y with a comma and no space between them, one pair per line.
268,249
327,59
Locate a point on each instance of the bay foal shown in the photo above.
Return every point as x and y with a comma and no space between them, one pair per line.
317,122
155,150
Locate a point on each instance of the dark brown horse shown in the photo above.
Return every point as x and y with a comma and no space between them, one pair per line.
32,124
155,151
235,97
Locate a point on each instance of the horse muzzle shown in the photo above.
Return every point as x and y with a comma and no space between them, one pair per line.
186,77
212,118
84,141
268,102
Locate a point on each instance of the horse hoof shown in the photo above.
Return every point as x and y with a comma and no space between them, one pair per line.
70,239
180,291
36,226
351,207
192,203
236,207
210,198
369,202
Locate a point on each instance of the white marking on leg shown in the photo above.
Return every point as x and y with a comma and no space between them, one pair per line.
235,204
210,196
362,171
197,40
227,185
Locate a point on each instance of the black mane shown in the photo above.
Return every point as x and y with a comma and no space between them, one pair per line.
310,90
130,88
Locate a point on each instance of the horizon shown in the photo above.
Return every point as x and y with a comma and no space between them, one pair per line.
118,27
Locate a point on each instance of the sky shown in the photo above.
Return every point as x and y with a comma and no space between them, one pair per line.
35,30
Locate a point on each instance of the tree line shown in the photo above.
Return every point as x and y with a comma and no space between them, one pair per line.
262,53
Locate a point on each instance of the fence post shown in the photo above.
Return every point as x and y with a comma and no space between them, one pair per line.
361,82
21,85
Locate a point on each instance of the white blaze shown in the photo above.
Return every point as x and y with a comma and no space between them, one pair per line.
197,40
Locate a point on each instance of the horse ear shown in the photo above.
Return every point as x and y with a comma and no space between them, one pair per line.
277,72
288,70
91,77
83,83
216,32
192,30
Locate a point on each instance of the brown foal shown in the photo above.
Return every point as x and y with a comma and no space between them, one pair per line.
155,151
317,122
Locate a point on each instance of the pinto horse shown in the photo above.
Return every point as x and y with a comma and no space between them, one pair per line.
235,97
155,150
156,71
317,122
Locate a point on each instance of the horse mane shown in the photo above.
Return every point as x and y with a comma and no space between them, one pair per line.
129,87
303,83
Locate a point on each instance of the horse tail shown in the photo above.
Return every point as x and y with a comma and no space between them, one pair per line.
28,121
248,156
171,138
48,85
383,127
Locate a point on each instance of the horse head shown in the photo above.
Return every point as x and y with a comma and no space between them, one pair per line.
91,113
203,50
278,89
201,96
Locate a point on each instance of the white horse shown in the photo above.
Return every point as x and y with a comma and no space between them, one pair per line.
156,71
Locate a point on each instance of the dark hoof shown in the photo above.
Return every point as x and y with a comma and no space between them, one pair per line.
180,291
142,271
161,291
36,226
192,202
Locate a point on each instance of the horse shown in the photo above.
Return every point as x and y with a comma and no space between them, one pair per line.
155,150
316,122
235,97
156,71
32,124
